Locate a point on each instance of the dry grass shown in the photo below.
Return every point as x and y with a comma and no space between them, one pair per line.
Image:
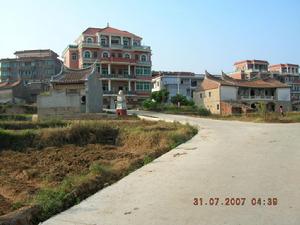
67,159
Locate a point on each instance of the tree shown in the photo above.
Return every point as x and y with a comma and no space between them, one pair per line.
160,96
182,100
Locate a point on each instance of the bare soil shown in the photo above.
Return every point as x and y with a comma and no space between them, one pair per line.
23,174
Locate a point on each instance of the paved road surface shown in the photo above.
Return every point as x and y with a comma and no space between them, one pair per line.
225,159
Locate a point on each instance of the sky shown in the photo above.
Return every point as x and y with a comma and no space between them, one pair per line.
186,35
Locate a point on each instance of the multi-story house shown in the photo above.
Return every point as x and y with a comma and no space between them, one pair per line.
226,95
122,62
248,69
33,68
183,83
30,65
288,74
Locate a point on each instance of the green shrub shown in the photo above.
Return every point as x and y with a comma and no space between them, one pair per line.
160,96
182,100
204,112
150,105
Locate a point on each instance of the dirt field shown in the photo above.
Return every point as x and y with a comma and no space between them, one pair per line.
23,174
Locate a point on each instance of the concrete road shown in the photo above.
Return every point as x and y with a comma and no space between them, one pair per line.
225,159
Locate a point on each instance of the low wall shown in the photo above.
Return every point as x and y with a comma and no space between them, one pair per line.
59,104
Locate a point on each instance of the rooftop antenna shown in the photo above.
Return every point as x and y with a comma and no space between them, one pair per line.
107,24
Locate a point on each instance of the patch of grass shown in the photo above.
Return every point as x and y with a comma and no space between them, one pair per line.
97,168
147,159
22,125
78,134
17,205
18,117
51,201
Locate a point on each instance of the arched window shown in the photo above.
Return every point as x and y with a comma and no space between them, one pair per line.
89,40
105,55
143,58
127,56
87,54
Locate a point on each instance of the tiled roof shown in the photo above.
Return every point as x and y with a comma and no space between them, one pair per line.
251,61
284,65
226,80
71,76
109,30
8,84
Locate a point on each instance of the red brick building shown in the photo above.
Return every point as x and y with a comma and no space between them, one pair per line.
122,62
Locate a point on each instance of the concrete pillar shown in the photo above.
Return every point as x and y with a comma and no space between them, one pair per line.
100,65
109,41
109,69
129,85
131,41
128,69
122,40
109,85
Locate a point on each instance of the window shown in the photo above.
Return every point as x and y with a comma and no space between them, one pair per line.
218,106
143,58
200,95
87,54
127,56
89,40
125,42
104,41
105,71
98,68
137,57
105,55
143,86
74,56
95,54
113,55
142,71
209,94
120,55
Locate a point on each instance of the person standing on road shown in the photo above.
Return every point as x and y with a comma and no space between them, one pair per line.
281,110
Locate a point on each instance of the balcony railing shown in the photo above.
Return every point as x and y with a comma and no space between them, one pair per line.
128,93
256,97
127,76
116,46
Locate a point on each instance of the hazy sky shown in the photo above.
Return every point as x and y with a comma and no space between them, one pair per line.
186,35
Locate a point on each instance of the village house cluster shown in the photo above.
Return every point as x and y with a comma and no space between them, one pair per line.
103,61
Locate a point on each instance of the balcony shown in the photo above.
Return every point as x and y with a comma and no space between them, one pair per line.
256,98
90,44
115,93
117,76
147,63
117,59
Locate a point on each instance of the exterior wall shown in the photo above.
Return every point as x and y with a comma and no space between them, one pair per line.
283,94
210,100
58,103
94,94
228,93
